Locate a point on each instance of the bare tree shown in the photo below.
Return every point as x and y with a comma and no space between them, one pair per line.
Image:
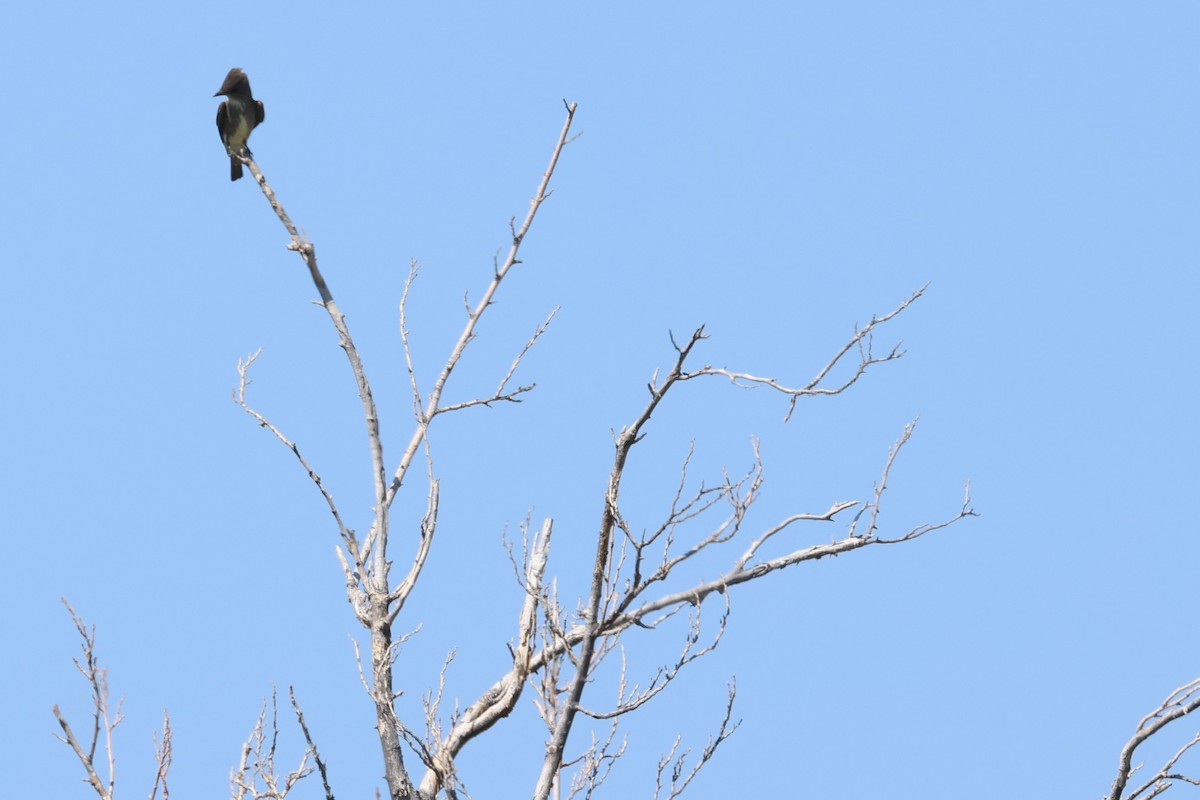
1177,704
635,578
558,646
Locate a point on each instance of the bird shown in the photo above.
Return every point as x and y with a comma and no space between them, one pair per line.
237,115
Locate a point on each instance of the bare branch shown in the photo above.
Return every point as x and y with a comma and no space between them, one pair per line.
379,527
735,493
432,405
921,530
861,341
84,758
366,567
547,687
257,774
162,756
428,527
239,397
1179,703
408,357
312,746
432,703
609,611
561,643
637,697
591,630
871,509
103,718
679,779
524,350
784,524
596,763
500,395
499,701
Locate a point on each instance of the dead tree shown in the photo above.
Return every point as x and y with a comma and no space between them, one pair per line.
558,647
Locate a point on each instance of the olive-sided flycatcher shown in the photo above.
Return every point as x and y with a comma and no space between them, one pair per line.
237,116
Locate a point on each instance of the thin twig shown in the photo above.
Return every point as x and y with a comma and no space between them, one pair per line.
103,720
163,755
861,341
239,397
312,746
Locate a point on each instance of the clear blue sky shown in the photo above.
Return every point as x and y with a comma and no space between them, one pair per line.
778,173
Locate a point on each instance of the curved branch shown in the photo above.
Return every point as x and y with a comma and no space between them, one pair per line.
1179,703
861,341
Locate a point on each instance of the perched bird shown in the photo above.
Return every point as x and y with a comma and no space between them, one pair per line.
237,115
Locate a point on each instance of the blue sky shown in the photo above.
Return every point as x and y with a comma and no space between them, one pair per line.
776,173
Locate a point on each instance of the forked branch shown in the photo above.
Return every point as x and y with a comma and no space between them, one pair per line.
674,765
861,342
432,405
105,720
624,570
257,775
1178,704
366,562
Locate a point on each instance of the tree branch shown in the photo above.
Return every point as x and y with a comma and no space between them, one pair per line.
432,406
256,774
1179,703
679,780
591,630
499,701
366,566
239,397
102,718
862,341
